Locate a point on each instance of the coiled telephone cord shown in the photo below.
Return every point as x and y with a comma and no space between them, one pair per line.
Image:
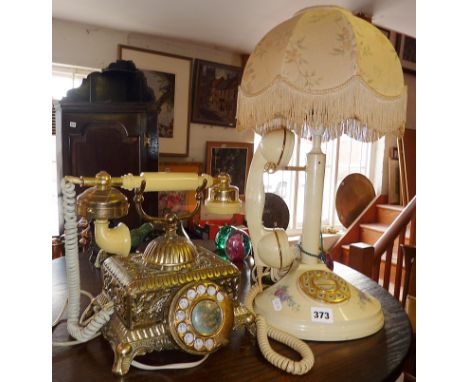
275,274
264,331
78,329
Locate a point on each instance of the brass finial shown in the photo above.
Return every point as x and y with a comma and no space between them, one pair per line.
101,201
222,197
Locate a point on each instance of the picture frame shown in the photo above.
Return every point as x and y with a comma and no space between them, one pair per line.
215,88
407,52
170,77
233,158
177,201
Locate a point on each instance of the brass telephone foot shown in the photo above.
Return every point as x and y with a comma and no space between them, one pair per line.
124,353
242,317
123,356
127,344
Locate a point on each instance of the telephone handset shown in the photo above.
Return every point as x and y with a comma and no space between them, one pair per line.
270,245
174,295
308,300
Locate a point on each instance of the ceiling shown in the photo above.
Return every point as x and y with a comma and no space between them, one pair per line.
235,25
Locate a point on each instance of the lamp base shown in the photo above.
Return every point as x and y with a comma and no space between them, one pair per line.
313,303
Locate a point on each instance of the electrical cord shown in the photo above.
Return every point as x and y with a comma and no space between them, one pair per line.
172,366
81,322
62,311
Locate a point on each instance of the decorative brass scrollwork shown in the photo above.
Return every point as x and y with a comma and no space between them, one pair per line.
139,198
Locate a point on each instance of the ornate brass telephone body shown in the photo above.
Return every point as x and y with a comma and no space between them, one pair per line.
174,295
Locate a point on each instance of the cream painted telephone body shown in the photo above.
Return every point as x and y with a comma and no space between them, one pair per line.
174,295
310,301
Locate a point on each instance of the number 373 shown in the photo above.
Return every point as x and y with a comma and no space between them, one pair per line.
321,315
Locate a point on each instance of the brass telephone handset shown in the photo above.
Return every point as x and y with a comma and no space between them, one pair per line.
174,295
309,301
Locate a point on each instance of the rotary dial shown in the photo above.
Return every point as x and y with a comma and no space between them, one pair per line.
201,317
324,286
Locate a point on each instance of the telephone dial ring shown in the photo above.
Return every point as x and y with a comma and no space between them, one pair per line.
201,317
324,286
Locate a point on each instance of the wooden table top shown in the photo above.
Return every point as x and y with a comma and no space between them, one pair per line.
378,357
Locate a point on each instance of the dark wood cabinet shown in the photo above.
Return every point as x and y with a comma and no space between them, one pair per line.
109,123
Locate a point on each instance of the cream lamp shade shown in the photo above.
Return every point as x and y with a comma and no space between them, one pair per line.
324,68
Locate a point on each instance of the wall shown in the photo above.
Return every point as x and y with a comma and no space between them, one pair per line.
95,47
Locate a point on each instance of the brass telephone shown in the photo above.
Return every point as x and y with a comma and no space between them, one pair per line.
174,295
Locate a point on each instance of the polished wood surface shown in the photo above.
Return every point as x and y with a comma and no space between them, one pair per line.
379,357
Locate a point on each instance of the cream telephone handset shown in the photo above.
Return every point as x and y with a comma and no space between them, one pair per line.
270,246
174,295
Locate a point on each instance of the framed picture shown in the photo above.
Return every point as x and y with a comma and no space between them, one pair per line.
407,52
215,93
178,202
169,76
230,157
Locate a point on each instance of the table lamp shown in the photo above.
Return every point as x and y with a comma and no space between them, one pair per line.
319,74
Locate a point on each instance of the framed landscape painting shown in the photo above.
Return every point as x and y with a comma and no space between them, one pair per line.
232,158
215,93
169,76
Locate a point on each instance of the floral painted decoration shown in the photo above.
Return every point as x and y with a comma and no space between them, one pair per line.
282,293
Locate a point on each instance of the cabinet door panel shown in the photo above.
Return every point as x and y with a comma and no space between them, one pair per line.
104,146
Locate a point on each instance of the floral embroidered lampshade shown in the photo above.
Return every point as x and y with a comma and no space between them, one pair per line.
324,68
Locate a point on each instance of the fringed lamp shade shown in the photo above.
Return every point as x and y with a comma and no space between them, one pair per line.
324,69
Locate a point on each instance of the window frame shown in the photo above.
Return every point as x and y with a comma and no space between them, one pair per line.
372,153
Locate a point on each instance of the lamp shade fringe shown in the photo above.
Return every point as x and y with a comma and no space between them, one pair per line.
352,108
